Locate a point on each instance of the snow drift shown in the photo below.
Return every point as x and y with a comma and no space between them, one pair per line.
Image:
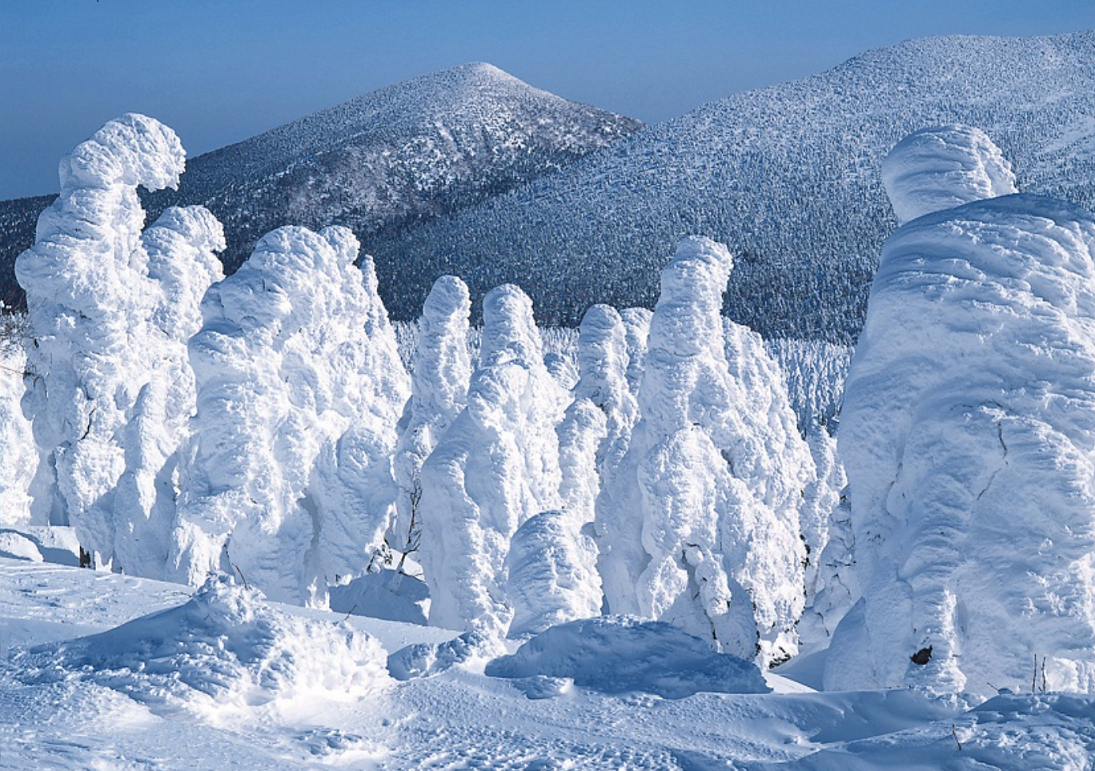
617,654
223,655
968,433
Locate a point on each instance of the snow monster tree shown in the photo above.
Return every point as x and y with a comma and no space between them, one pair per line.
968,431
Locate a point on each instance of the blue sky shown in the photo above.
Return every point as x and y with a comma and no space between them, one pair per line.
218,71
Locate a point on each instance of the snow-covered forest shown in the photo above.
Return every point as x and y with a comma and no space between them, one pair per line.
660,502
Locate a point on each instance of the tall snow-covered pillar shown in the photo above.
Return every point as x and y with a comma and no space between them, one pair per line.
693,537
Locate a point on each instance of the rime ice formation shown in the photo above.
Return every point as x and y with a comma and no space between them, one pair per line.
636,330
439,390
181,248
297,373
704,527
551,578
18,454
942,167
89,298
968,433
495,467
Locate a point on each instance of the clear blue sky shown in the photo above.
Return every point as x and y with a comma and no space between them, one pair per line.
218,71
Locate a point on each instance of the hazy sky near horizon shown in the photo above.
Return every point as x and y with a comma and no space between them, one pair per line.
218,71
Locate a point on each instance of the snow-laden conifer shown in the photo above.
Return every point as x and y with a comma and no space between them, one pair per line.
289,479
704,531
968,434
495,467
89,300
439,390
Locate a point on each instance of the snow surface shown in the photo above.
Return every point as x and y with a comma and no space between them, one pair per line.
462,718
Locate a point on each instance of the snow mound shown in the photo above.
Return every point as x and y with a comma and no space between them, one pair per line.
943,167
222,655
429,659
619,654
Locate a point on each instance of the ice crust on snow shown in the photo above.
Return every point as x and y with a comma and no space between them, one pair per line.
89,299
299,379
618,654
495,467
703,526
969,436
943,167
223,655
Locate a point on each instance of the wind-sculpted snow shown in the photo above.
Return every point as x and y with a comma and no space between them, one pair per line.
703,526
441,372
89,300
617,654
223,655
943,167
968,434
299,379
496,466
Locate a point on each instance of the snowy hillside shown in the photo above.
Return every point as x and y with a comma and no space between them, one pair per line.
378,163
788,176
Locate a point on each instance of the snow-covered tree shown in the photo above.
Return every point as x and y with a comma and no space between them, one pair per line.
439,390
89,300
18,453
181,248
968,434
704,530
289,478
495,467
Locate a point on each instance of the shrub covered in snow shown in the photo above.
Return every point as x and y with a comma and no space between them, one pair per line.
223,654
968,433
616,654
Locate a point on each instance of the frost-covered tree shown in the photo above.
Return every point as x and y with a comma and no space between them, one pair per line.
89,301
495,467
181,248
289,478
968,433
704,530
18,453
439,390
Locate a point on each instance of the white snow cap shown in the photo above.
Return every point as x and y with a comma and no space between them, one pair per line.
937,168
968,433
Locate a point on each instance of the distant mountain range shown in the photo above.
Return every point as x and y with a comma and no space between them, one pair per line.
380,163
470,171
787,175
